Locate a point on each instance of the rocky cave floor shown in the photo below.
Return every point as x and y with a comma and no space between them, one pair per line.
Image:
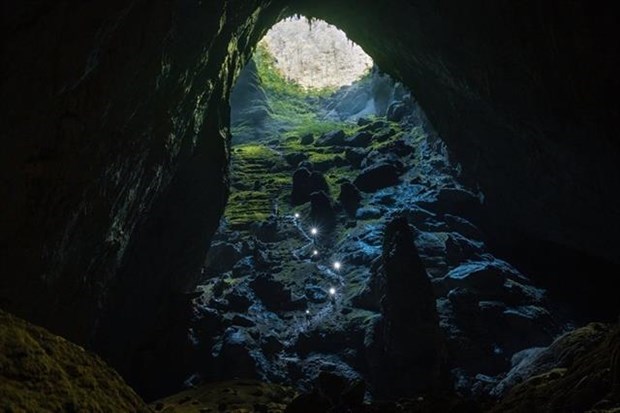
266,284
267,336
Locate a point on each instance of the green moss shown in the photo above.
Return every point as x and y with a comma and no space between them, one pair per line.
260,177
41,372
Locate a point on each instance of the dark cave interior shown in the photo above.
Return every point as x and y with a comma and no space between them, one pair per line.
474,219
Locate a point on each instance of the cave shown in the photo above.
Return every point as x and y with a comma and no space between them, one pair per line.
118,168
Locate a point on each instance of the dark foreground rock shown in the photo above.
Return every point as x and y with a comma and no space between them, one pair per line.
349,197
376,177
408,354
321,210
40,371
577,373
305,183
334,138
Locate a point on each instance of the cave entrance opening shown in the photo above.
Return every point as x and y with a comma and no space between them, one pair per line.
305,79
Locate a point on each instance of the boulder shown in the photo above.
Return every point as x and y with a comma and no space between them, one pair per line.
376,157
238,301
349,197
295,158
375,126
360,139
275,295
316,294
368,213
235,359
301,186
242,321
408,353
222,256
363,121
333,138
271,344
397,111
244,267
307,139
377,177
397,147
267,231
322,210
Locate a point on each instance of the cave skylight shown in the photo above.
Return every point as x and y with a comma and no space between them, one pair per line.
315,54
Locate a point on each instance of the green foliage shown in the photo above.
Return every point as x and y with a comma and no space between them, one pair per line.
292,107
275,81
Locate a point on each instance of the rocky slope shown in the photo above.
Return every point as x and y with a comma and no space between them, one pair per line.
41,372
281,303
577,373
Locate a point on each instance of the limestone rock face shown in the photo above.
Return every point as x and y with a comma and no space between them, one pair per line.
409,355
249,105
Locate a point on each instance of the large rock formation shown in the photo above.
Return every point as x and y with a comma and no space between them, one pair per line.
408,356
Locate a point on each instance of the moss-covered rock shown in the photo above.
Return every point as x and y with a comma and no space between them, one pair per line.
578,376
230,396
41,372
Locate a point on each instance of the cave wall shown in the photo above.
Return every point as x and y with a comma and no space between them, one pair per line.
114,132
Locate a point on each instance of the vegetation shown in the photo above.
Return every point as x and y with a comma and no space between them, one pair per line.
41,372
261,179
259,182
293,107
